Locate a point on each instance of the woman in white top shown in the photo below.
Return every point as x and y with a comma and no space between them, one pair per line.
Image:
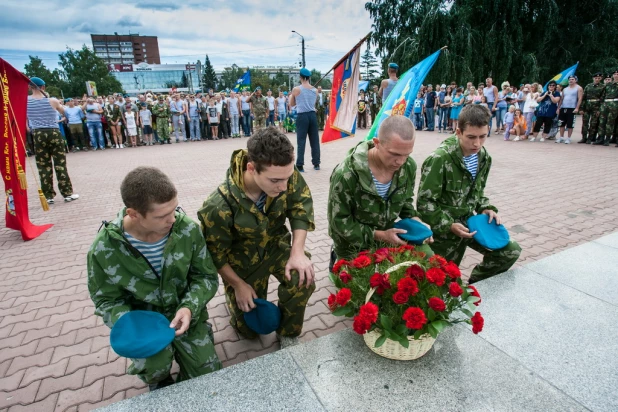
530,103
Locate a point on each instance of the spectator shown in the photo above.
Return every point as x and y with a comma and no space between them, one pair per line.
93,121
214,116
245,116
530,105
569,106
234,111
546,111
222,107
193,108
361,116
491,95
501,106
75,116
131,122
509,119
270,120
145,119
419,106
114,121
281,111
204,119
430,107
457,105
443,109
519,124
178,109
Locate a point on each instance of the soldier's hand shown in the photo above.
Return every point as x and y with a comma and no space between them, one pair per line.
460,230
430,239
301,263
390,236
181,321
244,297
492,215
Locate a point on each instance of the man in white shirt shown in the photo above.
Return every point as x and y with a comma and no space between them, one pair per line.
270,120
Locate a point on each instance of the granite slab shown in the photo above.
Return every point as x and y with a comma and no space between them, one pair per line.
267,383
563,335
460,373
591,268
609,240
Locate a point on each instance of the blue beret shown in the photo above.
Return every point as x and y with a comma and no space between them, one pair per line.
37,81
264,318
258,88
393,66
305,72
417,232
285,93
141,334
490,235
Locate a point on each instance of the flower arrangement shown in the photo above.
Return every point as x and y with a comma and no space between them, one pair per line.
400,293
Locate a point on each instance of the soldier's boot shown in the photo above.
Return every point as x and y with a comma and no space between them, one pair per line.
613,140
584,140
591,139
600,140
606,141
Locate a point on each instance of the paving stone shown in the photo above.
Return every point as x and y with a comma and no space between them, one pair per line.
47,404
53,385
52,311
12,341
22,396
36,373
84,407
61,340
23,350
97,358
35,334
87,394
96,372
24,362
114,384
11,382
61,352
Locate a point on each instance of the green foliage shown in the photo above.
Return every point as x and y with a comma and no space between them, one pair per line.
368,65
519,41
316,75
209,80
80,66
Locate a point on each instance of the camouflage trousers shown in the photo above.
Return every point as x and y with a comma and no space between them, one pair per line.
163,129
260,121
591,121
50,156
494,261
194,352
607,123
292,298
321,112
79,138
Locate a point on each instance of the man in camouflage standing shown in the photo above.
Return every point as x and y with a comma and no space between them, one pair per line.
375,103
609,113
452,189
259,107
321,103
162,112
594,93
244,224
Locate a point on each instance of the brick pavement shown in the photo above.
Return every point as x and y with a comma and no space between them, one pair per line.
55,352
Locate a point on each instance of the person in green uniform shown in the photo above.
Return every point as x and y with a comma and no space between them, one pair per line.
162,111
321,105
609,113
244,224
452,189
594,94
259,108
375,103
371,189
153,257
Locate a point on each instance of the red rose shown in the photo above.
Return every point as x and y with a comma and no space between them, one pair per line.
475,293
382,255
408,286
345,277
452,270
420,255
438,259
369,311
437,304
344,296
436,275
332,301
415,318
361,262
477,323
400,297
361,325
380,282
363,253
455,290
405,248
338,264
415,272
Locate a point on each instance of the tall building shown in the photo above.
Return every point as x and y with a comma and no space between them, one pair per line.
126,48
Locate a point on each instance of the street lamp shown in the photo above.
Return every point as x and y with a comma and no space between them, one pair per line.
303,45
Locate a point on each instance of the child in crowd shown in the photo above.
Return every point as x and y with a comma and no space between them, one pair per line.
519,125
146,121
419,106
130,118
484,101
213,119
509,118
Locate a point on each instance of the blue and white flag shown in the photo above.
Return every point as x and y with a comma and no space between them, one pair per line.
244,83
562,78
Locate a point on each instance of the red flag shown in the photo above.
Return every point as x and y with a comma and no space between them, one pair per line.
12,144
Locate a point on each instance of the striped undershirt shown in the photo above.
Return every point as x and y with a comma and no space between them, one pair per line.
153,252
472,164
41,115
382,188
261,202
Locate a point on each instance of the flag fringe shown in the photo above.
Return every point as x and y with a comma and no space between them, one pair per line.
44,203
21,175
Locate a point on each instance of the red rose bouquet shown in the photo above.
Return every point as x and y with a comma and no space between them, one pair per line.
399,292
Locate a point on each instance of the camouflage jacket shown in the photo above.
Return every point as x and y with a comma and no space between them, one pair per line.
611,91
593,92
260,105
447,193
355,210
237,232
112,113
120,279
161,111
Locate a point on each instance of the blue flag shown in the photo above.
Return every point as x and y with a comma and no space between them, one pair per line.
562,78
244,83
401,98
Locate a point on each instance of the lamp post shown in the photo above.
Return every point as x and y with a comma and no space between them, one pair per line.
303,45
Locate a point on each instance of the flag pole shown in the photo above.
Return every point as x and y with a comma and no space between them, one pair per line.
343,58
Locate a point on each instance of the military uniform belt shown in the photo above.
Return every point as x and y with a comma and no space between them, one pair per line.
593,100
611,100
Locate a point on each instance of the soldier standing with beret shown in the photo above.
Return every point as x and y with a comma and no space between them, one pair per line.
594,93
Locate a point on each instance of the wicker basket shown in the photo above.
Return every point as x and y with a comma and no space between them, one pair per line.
392,349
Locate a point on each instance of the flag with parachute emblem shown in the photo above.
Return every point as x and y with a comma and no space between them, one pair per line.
562,78
244,83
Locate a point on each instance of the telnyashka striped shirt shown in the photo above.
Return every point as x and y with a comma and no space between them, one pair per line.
261,202
153,252
472,164
41,115
382,188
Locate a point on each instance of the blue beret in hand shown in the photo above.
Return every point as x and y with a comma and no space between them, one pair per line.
265,318
141,334
417,232
490,235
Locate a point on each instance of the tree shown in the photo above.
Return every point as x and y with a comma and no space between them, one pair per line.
260,78
316,75
210,77
230,76
36,68
80,66
368,65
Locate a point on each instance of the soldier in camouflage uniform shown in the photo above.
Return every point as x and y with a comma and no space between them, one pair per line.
321,107
259,106
594,93
162,111
177,283
359,217
244,226
375,103
609,113
452,189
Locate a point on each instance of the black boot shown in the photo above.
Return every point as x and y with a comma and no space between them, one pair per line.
613,140
591,139
606,141
168,381
599,141
583,141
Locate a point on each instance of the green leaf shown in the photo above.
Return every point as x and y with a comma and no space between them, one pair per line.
431,315
380,341
472,306
440,325
344,311
402,329
418,333
473,299
333,278
404,342
467,312
386,322
433,331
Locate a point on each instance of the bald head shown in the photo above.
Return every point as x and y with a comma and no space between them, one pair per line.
396,125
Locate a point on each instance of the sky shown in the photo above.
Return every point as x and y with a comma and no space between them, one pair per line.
245,32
